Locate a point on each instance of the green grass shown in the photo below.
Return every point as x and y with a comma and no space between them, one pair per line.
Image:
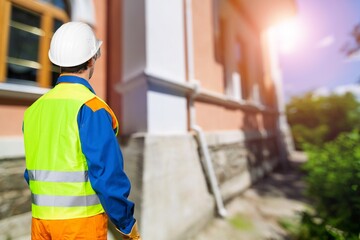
241,223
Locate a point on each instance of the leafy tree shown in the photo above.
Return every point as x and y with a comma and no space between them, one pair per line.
319,119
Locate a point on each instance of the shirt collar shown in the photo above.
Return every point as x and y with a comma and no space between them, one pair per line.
74,79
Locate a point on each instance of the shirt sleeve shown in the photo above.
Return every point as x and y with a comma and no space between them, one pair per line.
26,176
105,165
26,173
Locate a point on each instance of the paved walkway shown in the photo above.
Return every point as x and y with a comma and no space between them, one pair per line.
256,213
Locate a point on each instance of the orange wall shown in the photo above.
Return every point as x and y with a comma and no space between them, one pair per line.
217,118
207,70
11,120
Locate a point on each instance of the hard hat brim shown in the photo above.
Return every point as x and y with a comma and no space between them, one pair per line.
76,63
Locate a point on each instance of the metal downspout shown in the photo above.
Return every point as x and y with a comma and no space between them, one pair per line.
210,173
207,162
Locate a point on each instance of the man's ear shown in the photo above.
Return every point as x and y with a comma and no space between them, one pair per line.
91,63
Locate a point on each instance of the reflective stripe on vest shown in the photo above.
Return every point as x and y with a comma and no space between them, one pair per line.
51,176
65,201
57,168
61,201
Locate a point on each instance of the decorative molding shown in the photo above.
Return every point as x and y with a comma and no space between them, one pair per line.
177,86
132,83
194,88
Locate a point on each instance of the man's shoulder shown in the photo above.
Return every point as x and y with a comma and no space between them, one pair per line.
96,104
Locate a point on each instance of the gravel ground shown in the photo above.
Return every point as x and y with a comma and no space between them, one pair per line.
255,214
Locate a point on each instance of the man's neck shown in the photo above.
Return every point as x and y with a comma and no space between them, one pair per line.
84,75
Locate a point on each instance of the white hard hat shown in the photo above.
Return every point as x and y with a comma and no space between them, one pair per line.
73,43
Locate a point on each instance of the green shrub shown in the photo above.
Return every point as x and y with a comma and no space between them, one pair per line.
333,182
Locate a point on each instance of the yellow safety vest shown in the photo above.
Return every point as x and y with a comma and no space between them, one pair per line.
57,168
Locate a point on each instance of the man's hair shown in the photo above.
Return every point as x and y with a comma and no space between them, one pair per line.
76,69
80,68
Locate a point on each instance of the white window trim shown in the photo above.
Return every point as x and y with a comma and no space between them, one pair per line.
20,91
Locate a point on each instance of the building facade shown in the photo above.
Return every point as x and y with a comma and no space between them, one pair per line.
195,85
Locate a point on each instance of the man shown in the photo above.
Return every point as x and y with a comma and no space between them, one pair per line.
74,166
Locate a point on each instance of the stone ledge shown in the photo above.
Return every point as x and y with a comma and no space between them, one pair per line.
16,227
231,137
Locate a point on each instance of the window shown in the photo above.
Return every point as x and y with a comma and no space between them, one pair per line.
258,83
246,80
22,59
236,63
26,27
240,69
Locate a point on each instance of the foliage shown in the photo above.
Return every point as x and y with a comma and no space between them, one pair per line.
313,228
334,186
319,119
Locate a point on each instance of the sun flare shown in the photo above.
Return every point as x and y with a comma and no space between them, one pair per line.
288,35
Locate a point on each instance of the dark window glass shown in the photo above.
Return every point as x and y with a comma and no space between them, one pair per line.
20,74
23,45
25,32
57,24
26,17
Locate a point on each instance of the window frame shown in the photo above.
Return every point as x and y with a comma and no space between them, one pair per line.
48,13
242,67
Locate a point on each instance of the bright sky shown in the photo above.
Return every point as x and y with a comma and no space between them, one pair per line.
316,59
